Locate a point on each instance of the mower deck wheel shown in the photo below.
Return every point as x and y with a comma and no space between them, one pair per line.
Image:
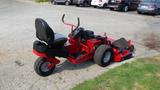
103,55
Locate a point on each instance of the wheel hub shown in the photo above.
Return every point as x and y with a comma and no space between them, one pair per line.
45,67
107,57
126,8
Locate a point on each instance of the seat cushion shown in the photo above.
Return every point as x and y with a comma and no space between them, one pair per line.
59,39
120,43
40,46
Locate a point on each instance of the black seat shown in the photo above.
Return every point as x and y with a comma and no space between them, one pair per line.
59,39
120,43
46,34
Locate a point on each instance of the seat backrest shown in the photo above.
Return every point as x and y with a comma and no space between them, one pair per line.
43,31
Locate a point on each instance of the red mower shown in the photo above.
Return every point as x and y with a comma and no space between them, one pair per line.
82,45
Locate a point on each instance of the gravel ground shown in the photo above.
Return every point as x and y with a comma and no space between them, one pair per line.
17,33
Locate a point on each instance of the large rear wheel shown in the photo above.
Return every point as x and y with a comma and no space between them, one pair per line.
42,67
103,55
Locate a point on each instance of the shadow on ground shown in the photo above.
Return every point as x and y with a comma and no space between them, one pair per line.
66,65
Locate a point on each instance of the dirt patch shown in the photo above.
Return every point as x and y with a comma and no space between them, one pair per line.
148,74
2,54
158,74
152,41
153,60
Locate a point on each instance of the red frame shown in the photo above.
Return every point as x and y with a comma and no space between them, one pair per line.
88,47
50,59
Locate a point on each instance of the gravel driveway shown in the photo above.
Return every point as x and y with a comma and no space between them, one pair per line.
17,33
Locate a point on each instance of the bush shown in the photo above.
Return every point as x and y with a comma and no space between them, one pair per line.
42,0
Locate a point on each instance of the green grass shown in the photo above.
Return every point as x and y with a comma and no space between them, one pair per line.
142,74
42,0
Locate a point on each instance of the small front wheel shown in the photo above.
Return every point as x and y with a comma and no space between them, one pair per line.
43,67
103,55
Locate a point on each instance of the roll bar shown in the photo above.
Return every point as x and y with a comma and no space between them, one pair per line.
73,27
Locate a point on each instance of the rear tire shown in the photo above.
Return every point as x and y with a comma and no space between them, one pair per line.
139,12
112,9
125,8
132,50
156,13
77,5
95,6
103,55
67,3
54,3
105,5
85,4
41,67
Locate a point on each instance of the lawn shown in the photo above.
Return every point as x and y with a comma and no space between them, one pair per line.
42,0
141,74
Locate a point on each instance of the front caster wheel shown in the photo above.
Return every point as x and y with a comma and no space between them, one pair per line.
103,55
132,50
43,67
